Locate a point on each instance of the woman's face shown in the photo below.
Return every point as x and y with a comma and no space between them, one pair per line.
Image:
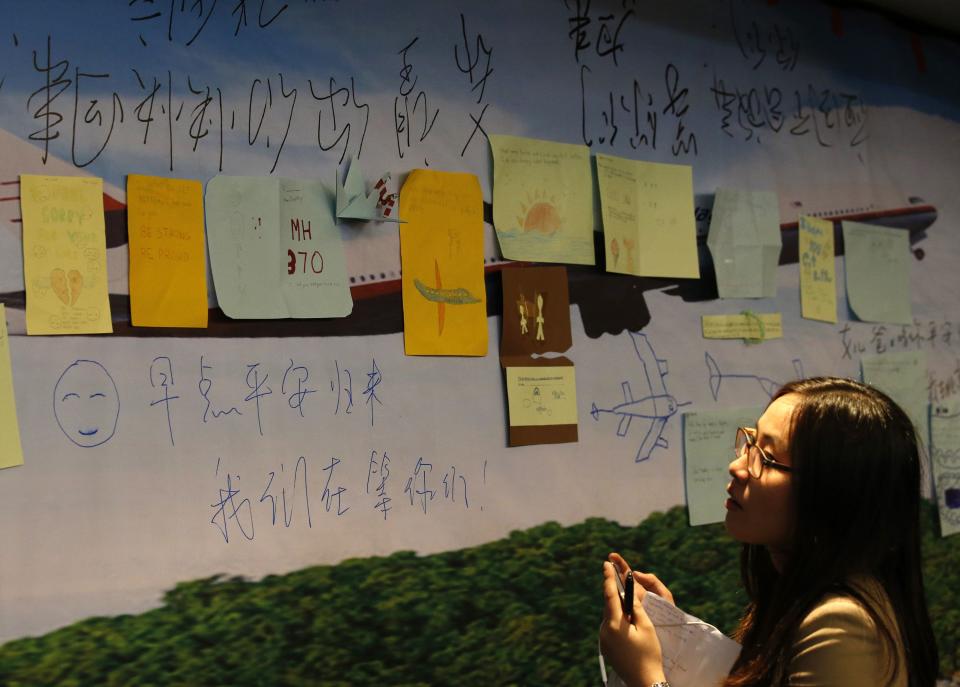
761,511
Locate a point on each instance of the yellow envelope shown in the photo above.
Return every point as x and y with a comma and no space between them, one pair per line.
818,284
64,255
168,269
441,252
10,451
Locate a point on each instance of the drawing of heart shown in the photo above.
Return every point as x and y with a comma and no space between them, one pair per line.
66,285
58,280
75,280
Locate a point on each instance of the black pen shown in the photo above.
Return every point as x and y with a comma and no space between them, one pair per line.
628,595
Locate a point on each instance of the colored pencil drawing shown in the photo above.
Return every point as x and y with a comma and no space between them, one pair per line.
66,285
540,214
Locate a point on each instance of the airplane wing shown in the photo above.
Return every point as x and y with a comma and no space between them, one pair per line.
651,364
624,425
627,394
652,440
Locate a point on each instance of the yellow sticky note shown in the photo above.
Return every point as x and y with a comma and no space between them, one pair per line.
168,269
64,255
743,326
542,396
542,200
10,451
648,221
818,285
441,252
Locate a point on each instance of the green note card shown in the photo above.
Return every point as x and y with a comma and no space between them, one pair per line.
275,250
903,377
877,266
744,241
708,439
945,455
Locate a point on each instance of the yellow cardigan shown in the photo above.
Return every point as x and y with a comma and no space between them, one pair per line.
839,645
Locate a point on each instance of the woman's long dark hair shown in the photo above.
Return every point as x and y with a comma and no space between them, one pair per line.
856,481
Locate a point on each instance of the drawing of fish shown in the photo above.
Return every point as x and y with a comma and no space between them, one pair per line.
451,296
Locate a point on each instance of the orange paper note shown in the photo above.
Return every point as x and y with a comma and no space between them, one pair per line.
441,250
168,271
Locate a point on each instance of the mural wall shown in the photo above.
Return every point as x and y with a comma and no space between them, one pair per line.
261,447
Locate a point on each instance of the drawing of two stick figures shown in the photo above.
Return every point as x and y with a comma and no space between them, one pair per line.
522,307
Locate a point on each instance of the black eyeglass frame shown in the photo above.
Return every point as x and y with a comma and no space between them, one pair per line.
749,435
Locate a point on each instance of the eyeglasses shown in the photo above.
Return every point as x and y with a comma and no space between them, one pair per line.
756,456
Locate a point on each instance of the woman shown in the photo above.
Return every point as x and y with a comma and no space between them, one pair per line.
825,498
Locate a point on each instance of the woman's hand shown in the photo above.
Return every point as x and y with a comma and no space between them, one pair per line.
649,581
630,644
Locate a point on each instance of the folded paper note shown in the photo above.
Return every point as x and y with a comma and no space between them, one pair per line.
541,391
354,202
648,220
744,241
274,249
536,313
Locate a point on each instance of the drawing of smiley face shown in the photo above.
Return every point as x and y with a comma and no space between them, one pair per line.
86,403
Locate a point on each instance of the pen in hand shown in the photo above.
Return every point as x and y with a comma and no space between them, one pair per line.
628,595
625,587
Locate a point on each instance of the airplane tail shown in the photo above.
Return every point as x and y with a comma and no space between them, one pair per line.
768,385
798,368
714,376
594,411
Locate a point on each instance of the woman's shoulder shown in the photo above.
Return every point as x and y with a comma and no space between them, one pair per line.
849,605
840,640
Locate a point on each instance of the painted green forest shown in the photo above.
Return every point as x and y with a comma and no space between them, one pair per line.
523,610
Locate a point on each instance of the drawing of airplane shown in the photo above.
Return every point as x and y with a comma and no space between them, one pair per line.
769,386
657,407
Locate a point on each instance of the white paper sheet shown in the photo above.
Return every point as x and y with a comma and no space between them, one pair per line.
695,653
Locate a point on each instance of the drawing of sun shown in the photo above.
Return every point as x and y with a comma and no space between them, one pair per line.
540,214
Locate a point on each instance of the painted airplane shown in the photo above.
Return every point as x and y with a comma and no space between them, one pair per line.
655,408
